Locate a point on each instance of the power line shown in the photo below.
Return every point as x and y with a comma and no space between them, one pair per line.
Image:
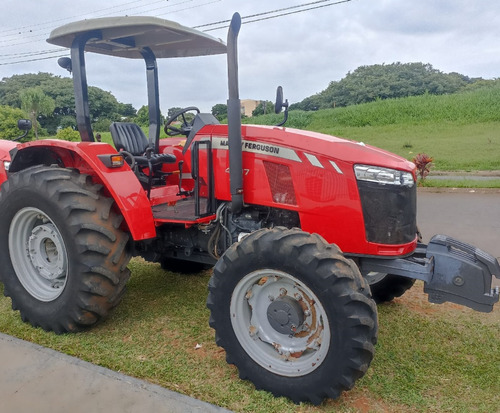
42,27
164,7
29,54
277,15
299,11
50,23
256,18
264,13
193,7
43,35
32,60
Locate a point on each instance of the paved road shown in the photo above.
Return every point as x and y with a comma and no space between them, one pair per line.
472,217
37,379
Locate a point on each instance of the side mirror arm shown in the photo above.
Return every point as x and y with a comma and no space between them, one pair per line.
24,125
280,104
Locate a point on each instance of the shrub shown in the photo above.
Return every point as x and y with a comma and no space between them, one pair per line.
68,134
102,125
67,122
423,162
8,122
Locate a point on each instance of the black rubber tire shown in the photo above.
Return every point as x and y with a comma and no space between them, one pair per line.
335,281
390,287
89,230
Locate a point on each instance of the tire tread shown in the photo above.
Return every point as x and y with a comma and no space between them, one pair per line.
335,275
101,263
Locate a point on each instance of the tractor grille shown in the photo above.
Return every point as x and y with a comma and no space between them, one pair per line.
389,211
280,182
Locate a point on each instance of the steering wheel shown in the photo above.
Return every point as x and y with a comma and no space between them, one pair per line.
186,125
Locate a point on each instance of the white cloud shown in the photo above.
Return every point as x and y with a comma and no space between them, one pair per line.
302,52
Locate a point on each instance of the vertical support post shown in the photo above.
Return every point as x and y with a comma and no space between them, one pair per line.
153,97
80,85
199,177
234,117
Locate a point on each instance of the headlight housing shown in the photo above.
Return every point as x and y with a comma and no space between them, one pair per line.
384,176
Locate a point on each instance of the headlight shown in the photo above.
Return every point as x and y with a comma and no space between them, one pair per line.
383,175
6,165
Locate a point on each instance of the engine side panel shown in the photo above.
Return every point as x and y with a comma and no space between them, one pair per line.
285,168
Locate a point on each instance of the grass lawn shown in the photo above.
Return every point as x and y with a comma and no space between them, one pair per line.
428,357
460,183
454,147
460,131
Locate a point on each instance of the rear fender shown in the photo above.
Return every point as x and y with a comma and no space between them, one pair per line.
121,183
5,148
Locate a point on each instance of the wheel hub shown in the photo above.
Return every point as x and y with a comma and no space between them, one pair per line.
285,315
43,250
38,254
280,322
374,277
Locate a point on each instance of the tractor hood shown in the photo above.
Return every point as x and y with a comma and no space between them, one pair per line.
328,146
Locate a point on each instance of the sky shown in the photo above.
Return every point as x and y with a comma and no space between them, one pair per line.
302,50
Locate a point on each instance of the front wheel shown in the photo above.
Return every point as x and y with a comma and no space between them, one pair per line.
293,314
64,257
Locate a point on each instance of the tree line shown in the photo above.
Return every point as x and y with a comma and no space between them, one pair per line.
386,81
377,82
50,101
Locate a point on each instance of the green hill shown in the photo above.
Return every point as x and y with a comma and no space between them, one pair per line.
460,131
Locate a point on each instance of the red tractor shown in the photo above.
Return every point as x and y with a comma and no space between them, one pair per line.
306,231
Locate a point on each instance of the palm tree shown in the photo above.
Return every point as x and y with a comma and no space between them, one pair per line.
35,102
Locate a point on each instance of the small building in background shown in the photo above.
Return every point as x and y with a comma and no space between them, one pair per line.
248,106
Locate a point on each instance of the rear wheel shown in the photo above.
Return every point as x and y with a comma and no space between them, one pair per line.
293,314
64,257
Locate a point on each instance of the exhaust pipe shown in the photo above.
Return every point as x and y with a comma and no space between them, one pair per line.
234,117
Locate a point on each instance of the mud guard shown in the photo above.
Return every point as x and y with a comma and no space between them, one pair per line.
5,148
121,183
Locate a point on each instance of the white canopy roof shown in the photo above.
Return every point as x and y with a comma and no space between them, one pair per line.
127,36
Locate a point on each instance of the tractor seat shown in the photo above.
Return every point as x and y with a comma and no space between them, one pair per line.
128,136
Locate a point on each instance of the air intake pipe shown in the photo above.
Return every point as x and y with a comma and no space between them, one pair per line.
234,117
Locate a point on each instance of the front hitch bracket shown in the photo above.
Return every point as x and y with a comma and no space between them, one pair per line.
451,270
463,274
